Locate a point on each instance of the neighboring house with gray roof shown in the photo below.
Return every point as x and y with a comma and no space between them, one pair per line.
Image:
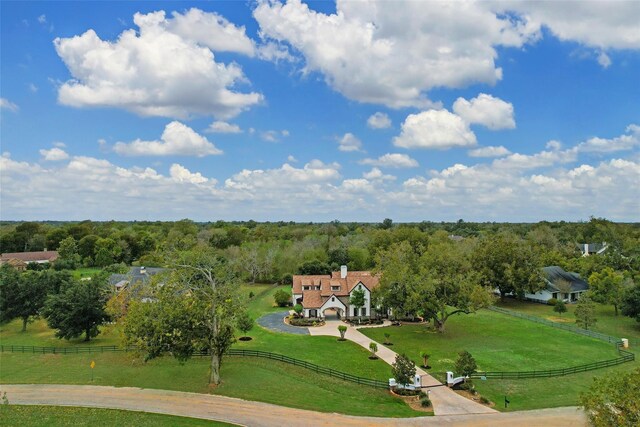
561,285
136,276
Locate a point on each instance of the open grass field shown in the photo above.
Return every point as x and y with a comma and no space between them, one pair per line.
498,342
248,378
607,323
45,416
503,343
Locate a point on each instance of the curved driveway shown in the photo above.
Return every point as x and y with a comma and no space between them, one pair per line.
258,414
275,322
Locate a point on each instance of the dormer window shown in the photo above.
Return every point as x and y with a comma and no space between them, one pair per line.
335,288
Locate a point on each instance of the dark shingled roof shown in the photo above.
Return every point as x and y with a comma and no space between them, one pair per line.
135,275
555,275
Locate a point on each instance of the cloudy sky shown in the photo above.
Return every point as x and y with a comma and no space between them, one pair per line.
314,111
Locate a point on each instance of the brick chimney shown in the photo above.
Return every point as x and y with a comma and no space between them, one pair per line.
343,271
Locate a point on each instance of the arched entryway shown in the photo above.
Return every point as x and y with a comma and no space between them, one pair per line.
333,308
333,313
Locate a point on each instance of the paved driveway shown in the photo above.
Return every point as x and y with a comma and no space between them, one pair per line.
275,322
445,401
258,414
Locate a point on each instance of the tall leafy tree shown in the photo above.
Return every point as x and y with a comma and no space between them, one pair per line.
585,312
606,287
79,308
614,400
22,295
449,284
509,264
194,310
631,302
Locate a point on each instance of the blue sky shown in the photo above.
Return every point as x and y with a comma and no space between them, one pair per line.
357,111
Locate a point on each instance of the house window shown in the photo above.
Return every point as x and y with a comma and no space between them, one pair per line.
364,311
333,299
306,288
355,311
555,295
335,288
313,313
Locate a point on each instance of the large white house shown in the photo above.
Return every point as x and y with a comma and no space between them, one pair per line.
329,294
561,285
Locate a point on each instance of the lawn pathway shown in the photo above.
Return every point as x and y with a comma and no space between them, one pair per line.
445,401
258,414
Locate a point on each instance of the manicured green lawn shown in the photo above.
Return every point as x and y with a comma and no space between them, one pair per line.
39,334
497,342
325,351
504,343
607,323
35,416
248,378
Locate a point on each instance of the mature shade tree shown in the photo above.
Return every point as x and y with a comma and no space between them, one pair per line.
22,295
79,308
631,302
509,264
314,267
398,266
449,283
606,287
585,312
194,309
614,400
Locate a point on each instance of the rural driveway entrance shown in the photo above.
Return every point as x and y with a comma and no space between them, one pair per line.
258,414
275,322
445,401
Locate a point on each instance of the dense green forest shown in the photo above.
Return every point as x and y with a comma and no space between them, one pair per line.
270,252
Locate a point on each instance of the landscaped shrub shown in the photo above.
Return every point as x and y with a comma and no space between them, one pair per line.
298,309
342,329
282,298
552,301
484,400
425,402
301,321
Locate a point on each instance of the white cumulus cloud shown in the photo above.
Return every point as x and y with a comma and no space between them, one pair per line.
349,142
152,72
391,160
176,140
397,53
379,121
181,174
490,151
434,129
223,127
54,154
494,113
628,141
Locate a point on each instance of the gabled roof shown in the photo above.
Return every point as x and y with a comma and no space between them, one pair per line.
556,276
312,299
301,280
31,256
